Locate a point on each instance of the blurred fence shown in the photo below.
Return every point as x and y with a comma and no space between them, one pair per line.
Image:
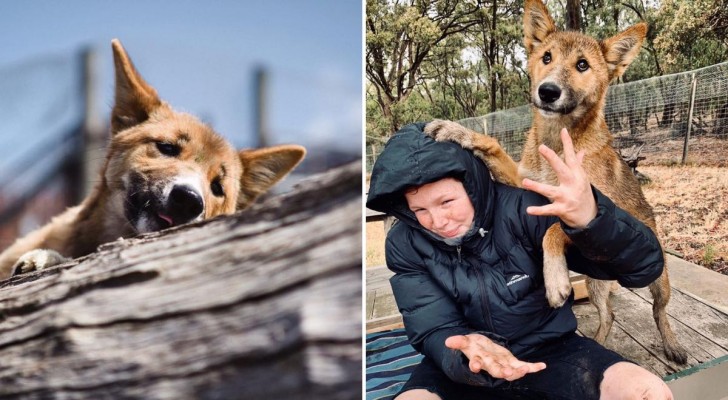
42,126
679,118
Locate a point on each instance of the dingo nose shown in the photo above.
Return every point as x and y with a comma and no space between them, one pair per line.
548,92
184,204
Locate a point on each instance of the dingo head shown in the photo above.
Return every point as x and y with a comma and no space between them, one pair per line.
570,71
166,168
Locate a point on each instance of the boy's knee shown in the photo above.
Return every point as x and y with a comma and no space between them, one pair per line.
629,381
417,394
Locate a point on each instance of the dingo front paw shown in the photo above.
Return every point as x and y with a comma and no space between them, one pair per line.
556,280
36,260
449,131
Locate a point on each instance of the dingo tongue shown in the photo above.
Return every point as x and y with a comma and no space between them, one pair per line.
166,218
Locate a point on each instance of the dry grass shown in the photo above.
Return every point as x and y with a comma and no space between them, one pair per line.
375,244
691,208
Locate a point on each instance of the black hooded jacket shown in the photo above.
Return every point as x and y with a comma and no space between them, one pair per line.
492,283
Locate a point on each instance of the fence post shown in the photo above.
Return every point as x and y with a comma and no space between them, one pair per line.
375,150
690,120
260,87
93,130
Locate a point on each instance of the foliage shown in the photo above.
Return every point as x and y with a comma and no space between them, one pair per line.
399,36
692,35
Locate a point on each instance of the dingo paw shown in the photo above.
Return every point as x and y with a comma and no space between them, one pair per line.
449,131
36,260
675,352
556,280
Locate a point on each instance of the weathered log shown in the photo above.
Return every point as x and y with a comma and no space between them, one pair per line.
632,157
264,304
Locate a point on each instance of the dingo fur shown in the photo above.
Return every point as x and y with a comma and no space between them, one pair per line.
163,168
570,73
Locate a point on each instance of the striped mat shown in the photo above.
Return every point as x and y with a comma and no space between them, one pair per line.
390,361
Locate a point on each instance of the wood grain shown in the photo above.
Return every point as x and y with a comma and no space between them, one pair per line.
261,304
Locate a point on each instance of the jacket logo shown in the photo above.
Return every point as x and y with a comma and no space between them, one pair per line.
517,278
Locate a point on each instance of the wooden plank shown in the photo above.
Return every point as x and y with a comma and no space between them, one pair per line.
372,216
618,340
383,313
699,327
384,304
578,282
370,305
634,315
704,319
385,323
379,288
378,277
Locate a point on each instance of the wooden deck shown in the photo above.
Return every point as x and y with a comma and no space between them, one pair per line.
702,329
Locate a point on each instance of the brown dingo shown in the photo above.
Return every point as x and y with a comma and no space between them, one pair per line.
163,168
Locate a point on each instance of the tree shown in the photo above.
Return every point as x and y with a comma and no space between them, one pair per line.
499,38
573,15
399,35
692,34
452,84
480,70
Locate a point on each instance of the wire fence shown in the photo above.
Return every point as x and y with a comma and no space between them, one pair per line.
674,119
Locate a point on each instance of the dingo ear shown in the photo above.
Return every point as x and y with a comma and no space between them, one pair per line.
620,50
134,99
537,24
262,168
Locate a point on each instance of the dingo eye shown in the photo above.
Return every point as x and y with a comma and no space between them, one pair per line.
582,65
216,188
546,57
168,149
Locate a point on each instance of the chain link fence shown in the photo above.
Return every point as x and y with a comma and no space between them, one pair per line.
672,119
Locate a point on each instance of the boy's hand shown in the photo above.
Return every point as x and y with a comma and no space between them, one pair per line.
572,200
492,358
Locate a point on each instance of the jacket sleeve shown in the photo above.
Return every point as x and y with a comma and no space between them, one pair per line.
615,246
431,315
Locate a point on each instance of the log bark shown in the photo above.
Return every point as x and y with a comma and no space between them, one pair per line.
264,304
632,157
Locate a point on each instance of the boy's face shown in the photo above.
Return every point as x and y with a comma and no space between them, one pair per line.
442,207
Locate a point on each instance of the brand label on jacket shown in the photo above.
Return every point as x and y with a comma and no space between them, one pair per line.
517,278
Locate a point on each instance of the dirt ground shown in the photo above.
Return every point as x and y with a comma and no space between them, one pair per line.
691,209
374,244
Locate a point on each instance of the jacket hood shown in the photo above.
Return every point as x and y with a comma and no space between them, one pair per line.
411,158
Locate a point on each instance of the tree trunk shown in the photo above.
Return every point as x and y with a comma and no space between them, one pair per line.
493,55
264,304
573,15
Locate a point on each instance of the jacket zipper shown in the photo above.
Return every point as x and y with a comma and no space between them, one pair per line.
484,299
481,284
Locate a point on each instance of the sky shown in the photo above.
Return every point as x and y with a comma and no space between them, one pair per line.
199,55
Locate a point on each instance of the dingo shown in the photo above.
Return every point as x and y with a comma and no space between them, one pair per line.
163,168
